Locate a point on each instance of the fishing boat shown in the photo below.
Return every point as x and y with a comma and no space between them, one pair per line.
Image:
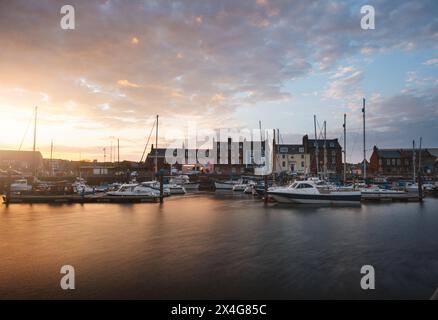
306,192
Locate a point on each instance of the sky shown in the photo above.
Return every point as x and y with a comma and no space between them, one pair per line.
215,64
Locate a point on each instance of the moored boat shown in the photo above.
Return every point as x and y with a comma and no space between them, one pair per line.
20,185
306,192
225,185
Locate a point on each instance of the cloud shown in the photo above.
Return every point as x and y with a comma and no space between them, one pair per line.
182,56
431,62
345,83
126,83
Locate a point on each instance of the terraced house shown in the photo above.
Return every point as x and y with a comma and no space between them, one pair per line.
292,159
400,162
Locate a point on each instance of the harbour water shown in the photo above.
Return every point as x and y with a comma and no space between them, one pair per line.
219,246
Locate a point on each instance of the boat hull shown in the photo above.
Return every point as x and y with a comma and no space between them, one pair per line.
191,186
321,199
224,186
370,195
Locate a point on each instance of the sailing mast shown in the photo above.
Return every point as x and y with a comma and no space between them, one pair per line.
364,144
413,159
156,147
420,171
345,148
34,144
325,150
316,147
118,150
51,158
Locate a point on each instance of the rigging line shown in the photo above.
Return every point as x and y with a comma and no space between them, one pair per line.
25,133
147,143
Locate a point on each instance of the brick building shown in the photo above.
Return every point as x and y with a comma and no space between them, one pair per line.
399,162
334,155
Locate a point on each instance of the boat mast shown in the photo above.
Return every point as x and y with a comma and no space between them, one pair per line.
51,158
156,147
34,143
316,147
364,143
118,150
413,159
345,148
325,150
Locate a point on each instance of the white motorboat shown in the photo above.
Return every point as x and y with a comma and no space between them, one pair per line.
184,181
377,193
156,186
306,192
242,186
80,186
225,185
249,188
20,185
134,190
175,188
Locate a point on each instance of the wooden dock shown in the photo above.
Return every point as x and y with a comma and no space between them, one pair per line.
75,198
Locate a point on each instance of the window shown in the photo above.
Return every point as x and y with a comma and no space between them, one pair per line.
283,164
398,162
283,150
334,160
283,156
393,162
306,186
302,164
301,150
332,145
333,152
388,162
302,156
380,162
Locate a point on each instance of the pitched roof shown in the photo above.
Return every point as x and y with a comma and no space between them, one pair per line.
312,143
290,148
388,153
15,155
433,151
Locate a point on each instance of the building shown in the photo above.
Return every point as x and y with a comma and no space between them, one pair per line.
238,157
227,157
292,159
334,155
399,162
23,161
185,159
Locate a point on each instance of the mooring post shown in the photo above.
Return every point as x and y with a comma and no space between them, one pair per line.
8,189
265,178
161,187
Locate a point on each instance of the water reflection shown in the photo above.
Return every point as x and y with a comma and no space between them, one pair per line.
224,245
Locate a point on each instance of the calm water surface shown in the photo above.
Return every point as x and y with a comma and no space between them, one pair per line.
219,246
